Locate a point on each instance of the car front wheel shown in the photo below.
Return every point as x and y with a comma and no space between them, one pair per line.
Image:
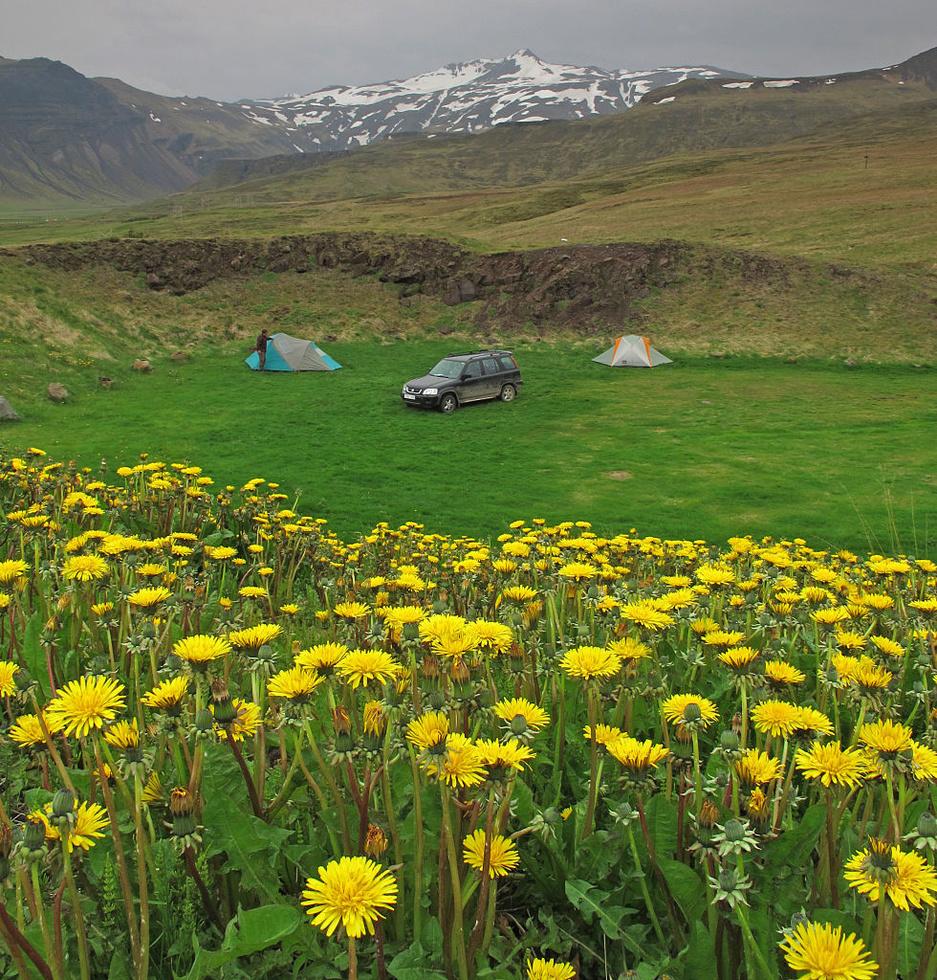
508,393
448,404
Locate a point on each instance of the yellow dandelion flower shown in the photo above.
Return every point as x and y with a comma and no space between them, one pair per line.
646,616
201,649
603,734
739,659
578,571
351,610
883,869
84,568
123,735
462,766
254,637
352,892
27,731
588,663
518,593
243,725
85,705
832,764
428,730
542,969
521,714
149,598
723,638
757,768
810,720
510,755
775,718
636,755
12,570
496,637
503,857
780,672
322,658
7,671
885,738
294,684
362,667
167,695
684,709
819,951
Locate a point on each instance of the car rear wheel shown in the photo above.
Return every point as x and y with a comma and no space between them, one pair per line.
448,404
508,393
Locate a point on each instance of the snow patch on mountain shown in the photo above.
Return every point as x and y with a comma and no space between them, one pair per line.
464,98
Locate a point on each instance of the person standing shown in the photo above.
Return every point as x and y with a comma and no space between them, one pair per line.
261,348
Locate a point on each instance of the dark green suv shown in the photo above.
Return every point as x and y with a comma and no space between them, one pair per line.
461,378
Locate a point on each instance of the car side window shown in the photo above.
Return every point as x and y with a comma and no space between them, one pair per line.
491,366
473,369
507,363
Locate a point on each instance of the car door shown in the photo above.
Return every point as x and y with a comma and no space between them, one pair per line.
472,384
493,377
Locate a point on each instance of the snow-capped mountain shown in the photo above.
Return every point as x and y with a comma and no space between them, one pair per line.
463,98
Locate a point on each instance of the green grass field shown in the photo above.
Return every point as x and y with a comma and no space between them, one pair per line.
841,457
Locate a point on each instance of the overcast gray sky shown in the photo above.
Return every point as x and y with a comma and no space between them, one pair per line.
229,49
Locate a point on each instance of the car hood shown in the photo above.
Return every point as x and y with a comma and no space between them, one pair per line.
427,381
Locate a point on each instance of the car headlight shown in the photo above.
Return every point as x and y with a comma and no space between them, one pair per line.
430,391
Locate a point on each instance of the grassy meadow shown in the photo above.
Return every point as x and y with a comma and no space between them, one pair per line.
842,457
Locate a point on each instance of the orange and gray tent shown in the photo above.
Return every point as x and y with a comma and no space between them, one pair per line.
632,351
286,353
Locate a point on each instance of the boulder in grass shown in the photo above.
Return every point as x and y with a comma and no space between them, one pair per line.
57,392
142,365
106,383
179,356
7,412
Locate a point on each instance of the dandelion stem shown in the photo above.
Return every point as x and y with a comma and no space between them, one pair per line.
122,873
77,915
420,844
455,880
12,934
642,878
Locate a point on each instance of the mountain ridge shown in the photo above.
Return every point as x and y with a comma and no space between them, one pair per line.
67,137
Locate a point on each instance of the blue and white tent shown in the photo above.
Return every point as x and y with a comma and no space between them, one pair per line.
286,353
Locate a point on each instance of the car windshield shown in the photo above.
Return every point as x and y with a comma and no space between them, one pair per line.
447,368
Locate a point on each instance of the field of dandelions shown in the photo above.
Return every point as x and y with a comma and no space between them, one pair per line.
234,745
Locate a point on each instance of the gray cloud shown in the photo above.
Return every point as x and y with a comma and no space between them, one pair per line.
230,49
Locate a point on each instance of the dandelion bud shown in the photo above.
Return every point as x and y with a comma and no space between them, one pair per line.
460,672
225,710
729,741
63,804
709,814
734,831
341,721
551,816
519,725
204,720
22,679
375,842
34,836
927,824
181,802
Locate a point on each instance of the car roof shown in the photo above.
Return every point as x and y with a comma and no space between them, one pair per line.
476,353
